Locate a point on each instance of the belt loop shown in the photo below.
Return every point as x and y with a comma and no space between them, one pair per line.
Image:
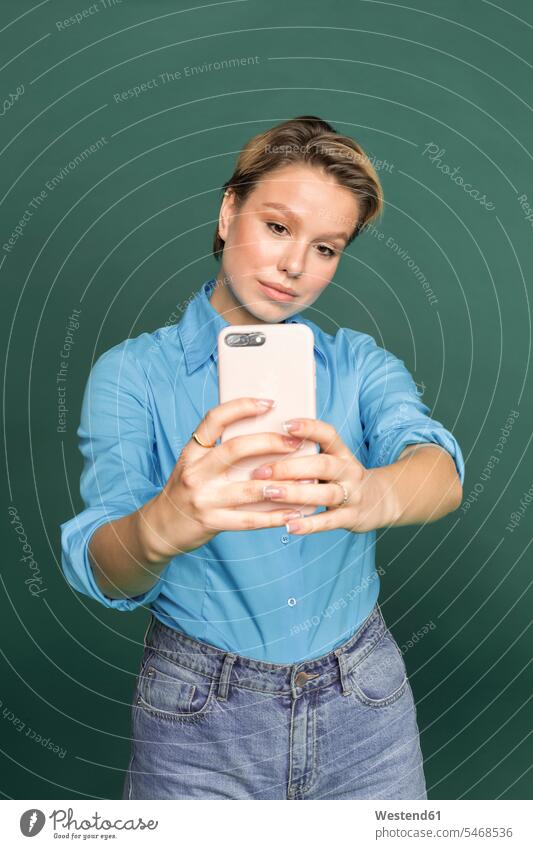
223,684
346,688
151,622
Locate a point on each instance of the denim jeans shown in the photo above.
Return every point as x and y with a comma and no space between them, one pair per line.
212,724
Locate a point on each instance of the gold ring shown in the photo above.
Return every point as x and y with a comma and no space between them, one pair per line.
199,441
345,492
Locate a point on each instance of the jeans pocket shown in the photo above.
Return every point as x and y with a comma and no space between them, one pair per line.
381,677
172,692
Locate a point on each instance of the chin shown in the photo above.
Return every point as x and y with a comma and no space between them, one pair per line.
248,295
265,316
249,299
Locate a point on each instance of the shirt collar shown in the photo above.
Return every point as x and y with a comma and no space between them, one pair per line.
201,324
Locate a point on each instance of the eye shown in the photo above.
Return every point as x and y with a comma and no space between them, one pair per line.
331,251
275,224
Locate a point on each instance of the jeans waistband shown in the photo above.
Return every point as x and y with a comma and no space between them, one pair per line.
229,667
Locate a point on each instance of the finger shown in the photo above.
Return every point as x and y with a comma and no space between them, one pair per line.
320,466
248,492
326,521
322,432
247,445
323,494
218,418
244,520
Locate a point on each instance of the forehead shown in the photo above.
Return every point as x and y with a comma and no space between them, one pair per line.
299,191
298,179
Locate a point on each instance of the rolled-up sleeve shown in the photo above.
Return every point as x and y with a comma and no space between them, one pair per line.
392,412
116,439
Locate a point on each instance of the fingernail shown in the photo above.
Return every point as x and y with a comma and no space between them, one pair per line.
291,425
292,441
263,472
293,526
307,480
293,514
265,402
273,491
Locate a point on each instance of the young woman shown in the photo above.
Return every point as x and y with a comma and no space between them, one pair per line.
268,670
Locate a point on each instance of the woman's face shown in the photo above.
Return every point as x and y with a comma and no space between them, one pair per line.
266,244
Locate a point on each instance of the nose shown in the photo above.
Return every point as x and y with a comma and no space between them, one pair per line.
293,260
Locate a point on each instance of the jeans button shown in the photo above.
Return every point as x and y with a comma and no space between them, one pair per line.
302,678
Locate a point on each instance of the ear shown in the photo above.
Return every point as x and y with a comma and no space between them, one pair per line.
227,209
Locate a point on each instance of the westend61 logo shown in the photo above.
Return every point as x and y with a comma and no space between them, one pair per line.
64,824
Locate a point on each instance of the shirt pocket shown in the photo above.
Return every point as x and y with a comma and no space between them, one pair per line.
170,692
381,677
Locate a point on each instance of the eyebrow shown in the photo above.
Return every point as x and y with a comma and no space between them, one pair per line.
290,212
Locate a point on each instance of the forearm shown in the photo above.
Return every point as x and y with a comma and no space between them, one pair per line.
421,486
122,555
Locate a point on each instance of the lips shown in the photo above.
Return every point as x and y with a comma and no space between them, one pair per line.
277,293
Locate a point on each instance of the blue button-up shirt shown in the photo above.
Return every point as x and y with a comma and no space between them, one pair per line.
263,593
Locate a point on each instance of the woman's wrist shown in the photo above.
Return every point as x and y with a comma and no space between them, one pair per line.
379,505
151,524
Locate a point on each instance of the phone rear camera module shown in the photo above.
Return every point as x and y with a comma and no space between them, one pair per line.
235,340
243,340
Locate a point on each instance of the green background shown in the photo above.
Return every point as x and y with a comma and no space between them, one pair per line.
126,238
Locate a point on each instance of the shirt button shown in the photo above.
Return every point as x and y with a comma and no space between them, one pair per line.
291,602
285,538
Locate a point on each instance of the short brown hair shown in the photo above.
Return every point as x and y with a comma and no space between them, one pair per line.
307,139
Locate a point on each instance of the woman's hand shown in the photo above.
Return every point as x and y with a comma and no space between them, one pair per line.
198,501
370,505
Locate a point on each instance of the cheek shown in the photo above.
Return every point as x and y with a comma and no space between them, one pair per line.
315,289
250,242
321,272
260,249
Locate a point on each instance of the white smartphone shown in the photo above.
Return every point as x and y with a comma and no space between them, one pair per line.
268,361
